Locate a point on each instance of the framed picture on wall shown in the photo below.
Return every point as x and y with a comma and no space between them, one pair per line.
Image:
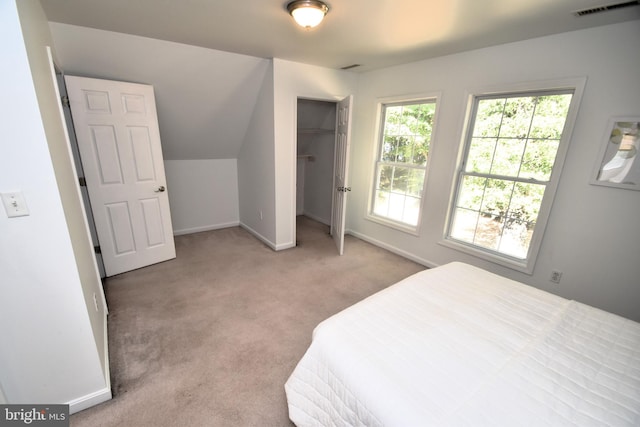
619,161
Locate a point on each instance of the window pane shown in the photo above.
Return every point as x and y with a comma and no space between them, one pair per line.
472,192
464,225
516,239
506,160
489,231
381,203
404,149
480,155
497,197
400,180
420,150
539,158
516,120
411,117
526,201
411,210
385,175
488,117
415,182
425,115
521,219
396,206
551,114
389,149
392,120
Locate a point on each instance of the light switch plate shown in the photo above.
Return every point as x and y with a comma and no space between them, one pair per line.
14,204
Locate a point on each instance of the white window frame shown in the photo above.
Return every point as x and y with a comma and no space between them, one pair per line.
576,85
380,104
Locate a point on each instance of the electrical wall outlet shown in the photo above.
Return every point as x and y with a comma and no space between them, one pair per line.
555,276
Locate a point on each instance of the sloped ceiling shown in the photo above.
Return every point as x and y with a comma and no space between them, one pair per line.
204,97
374,33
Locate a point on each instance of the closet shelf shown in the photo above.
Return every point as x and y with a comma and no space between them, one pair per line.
315,131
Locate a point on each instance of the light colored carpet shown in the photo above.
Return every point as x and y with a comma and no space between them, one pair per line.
210,338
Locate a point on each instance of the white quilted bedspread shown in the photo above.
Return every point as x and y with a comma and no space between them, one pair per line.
458,346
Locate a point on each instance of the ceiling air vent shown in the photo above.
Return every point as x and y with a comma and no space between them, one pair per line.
606,8
348,67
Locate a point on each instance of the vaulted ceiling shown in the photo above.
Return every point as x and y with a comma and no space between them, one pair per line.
373,33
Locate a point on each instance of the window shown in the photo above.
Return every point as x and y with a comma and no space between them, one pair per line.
511,153
404,142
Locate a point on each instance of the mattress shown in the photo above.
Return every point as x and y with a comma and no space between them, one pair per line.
459,346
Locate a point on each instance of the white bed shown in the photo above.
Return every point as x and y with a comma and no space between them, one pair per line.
456,345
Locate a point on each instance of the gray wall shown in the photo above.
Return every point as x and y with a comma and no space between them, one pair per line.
256,168
203,194
53,340
592,234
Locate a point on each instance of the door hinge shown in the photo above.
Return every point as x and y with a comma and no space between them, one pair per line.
82,181
97,250
65,101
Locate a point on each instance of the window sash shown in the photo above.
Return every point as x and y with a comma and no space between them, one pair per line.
501,207
408,197
504,178
524,264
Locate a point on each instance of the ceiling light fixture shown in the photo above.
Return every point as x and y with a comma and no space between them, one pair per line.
307,13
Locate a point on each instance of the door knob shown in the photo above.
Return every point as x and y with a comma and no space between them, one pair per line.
344,189
160,189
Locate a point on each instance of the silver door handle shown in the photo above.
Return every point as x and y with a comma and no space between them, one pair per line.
344,189
160,189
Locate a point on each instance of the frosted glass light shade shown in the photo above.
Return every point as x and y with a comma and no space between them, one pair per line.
307,13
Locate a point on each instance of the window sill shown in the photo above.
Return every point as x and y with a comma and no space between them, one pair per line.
523,266
393,224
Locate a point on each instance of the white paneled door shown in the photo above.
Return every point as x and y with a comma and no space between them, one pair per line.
119,141
341,172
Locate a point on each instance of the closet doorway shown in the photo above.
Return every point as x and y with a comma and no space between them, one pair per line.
323,151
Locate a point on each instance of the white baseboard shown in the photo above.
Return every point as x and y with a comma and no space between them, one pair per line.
89,400
393,249
107,369
266,241
205,228
258,236
99,396
284,246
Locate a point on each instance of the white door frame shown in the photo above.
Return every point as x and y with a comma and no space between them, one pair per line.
73,145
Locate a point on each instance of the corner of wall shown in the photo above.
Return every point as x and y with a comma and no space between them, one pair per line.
256,167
